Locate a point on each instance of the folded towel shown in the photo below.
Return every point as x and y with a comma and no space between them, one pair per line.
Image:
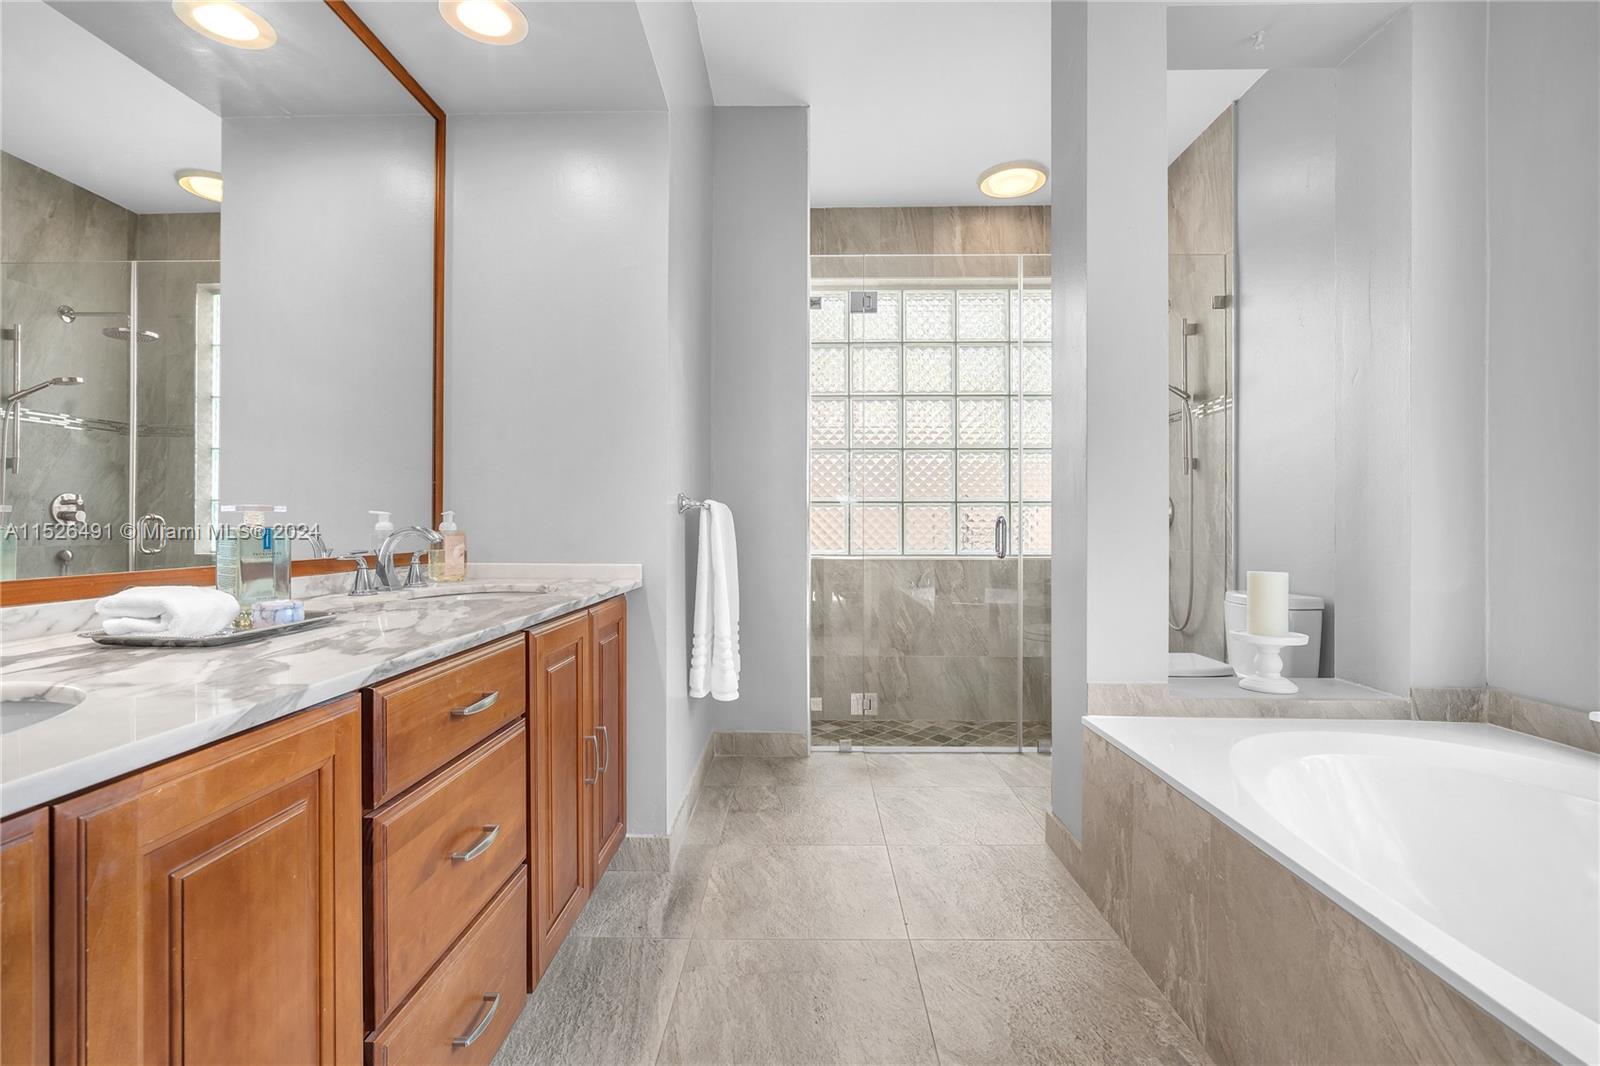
714,650
167,611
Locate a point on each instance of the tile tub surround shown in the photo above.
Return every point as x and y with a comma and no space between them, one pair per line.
936,638
1564,725
759,950
1221,697
145,705
1263,966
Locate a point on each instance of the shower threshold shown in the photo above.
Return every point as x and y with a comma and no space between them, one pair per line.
925,734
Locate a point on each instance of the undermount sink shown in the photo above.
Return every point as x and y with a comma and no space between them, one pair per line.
23,705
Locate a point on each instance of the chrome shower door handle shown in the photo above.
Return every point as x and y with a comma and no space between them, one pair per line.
1000,537
142,533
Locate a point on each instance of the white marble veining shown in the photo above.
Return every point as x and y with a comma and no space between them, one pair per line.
145,705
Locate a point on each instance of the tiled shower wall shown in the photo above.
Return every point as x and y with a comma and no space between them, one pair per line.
937,639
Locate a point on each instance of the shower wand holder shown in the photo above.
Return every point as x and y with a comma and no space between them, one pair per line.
1266,673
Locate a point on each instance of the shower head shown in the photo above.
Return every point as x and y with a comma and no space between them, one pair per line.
69,314
22,394
120,333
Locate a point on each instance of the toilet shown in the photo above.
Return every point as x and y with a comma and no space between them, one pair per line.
1305,616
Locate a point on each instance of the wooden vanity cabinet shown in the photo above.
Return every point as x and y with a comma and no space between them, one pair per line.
25,939
563,758
577,670
208,909
608,634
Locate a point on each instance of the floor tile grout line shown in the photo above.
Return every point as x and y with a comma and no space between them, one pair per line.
894,877
666,1023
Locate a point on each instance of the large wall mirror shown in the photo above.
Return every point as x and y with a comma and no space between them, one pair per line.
219,228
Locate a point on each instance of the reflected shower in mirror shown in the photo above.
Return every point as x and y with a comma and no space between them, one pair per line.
132,405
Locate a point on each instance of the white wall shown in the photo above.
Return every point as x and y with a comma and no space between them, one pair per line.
329,283
1126,443
1543,372
761,276
1447,345
674,40
1372,440
562,444
1109,270
1285,168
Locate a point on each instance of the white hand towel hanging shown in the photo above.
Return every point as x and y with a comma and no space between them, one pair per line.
714,649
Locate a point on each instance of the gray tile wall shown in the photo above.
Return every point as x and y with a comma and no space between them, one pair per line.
936,639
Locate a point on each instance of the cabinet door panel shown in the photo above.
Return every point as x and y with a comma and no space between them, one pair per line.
209,909
609,628
25,939
564,755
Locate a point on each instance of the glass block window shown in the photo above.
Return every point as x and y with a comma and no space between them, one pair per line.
930,419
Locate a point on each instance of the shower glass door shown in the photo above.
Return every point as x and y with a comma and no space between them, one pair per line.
929,471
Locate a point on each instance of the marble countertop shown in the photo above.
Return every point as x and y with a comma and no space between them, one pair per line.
141,706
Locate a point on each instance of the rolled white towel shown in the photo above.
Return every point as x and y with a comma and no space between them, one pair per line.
167,611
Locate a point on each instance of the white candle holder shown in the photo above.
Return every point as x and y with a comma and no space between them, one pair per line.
1267,672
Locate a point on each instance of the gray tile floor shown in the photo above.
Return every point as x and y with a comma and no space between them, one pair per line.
852,909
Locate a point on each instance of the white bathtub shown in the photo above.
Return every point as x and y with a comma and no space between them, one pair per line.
1474,849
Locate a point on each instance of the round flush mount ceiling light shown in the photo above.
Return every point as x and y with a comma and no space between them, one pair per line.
1010,180
488,21
206,184
226,21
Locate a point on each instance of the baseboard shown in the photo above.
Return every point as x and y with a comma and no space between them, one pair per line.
764,745
1066,847
657,854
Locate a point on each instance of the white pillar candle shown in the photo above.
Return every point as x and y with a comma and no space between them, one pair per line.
1267,592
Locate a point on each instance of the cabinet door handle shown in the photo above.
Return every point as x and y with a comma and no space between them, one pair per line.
483,1023
605,741
476,708
490,832
594,745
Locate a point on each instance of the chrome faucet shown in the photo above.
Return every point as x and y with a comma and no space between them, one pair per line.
416,575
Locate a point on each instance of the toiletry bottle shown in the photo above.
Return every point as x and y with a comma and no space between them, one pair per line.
453,551
380,529
252,557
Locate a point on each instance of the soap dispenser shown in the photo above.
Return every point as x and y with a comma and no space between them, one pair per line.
380,530
448,562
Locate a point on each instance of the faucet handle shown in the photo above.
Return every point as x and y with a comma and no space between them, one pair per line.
416,577
362,585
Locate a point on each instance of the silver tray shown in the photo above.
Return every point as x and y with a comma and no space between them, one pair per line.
226,639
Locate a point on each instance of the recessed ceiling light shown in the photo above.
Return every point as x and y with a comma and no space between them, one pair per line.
226,21
206,184
489,21
1010,180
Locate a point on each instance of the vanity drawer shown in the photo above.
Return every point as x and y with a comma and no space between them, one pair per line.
423,720
439,854
450,1019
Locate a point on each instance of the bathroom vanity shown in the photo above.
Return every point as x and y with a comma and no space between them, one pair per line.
382,874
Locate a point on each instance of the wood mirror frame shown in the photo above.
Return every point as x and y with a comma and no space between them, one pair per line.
17,593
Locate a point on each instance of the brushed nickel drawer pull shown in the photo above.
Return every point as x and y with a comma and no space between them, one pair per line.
594,745
489,834
605,740
476,708
483,1023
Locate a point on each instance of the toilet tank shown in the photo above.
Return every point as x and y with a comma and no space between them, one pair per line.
1305,616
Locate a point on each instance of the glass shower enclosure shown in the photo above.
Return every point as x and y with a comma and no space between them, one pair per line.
98,472
928,488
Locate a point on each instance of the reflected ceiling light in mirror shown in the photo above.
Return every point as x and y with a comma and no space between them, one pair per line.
1010,180
206,184
226,21
488,21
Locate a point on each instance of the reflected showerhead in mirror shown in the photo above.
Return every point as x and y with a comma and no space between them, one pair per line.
22,394
69,315
120,333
